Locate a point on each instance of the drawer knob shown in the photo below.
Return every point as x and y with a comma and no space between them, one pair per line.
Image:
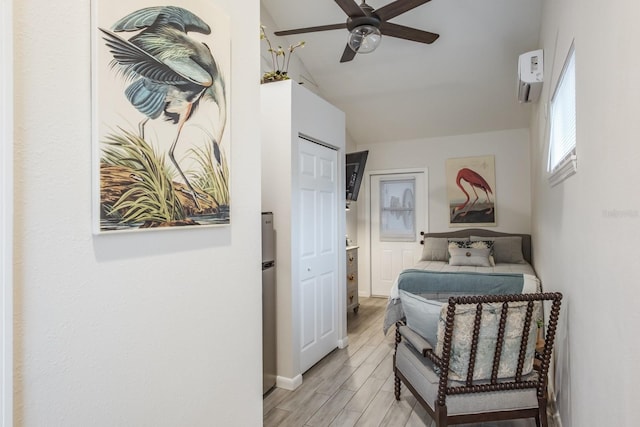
351,277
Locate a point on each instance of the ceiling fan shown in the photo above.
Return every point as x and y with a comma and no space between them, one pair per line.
366,26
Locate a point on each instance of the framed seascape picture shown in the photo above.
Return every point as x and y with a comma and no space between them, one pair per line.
397,210
160,99
471,183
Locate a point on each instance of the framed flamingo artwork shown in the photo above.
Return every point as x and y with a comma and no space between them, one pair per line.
471,190
160,112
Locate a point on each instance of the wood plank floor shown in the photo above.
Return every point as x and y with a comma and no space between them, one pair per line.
354,386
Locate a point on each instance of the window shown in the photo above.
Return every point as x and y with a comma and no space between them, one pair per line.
562,133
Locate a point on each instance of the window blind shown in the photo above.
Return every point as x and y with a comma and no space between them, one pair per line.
562,138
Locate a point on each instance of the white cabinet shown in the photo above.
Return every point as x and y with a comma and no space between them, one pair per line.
303,150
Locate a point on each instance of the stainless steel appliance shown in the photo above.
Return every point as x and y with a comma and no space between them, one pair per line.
268,303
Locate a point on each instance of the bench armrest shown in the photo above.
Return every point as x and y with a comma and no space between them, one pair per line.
415,339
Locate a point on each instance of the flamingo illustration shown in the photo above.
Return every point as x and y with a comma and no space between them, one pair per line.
169,72
475,180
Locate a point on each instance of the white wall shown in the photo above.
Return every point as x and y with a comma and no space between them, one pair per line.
149,329
511,151
6,213
585,230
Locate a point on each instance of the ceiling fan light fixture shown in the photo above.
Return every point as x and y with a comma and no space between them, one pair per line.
364,38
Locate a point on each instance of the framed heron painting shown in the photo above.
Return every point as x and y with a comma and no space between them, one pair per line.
160,88
471,190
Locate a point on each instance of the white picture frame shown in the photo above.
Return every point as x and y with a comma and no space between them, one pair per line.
398,210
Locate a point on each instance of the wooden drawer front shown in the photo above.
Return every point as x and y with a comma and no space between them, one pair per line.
352,297
352,280
352,260
352,268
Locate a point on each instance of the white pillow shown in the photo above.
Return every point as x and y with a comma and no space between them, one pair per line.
473,257
422,315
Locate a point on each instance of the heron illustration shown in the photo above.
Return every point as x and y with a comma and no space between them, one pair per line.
169,71
475,180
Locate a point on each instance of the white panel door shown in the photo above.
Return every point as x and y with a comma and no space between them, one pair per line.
319,278
398,215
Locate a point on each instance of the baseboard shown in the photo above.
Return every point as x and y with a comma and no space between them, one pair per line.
289,383
343,343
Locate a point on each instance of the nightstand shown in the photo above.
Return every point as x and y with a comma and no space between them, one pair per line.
352,279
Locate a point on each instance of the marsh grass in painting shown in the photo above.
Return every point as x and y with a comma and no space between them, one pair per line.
148,195
213,176
138,188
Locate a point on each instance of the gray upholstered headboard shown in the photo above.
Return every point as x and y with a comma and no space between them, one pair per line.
468,232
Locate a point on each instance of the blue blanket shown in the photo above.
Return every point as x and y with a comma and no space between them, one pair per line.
437,285
459,283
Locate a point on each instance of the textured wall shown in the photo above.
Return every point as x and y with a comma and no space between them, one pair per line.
585,229
148,329
6,212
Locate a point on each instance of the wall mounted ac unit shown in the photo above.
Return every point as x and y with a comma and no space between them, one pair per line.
530,76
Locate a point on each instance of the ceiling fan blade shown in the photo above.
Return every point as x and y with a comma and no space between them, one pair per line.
407,33
311,29
350,7
398,7
348,54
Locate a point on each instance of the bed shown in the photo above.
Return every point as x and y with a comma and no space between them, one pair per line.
499,265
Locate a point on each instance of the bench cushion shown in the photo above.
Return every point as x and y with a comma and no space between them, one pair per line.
418,371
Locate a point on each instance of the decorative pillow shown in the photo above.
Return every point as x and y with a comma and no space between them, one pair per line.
482,244
506,249
461,242
422,315
435,249
469,257
490,322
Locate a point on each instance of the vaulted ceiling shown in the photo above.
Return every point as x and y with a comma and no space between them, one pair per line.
463,83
